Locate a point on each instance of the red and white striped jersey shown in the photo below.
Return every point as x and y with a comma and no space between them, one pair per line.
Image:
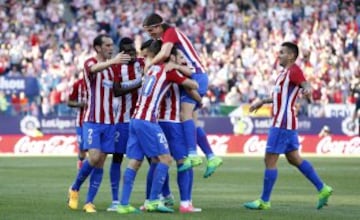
100,96
170,105
284,95
78,94
184,45
125,104
157,83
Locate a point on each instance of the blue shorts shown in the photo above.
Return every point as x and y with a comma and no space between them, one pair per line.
79,133
145,139
99,136
174,134
282,141
203,80
121,137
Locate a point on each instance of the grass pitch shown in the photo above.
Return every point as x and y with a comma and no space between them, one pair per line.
36,188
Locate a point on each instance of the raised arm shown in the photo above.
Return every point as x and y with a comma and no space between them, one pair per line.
119,58
163,54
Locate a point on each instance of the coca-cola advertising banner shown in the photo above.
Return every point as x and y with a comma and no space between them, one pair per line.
30,125
248,145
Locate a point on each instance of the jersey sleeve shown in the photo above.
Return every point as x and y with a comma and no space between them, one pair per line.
296,75
175,76
170,36
74,91
87,65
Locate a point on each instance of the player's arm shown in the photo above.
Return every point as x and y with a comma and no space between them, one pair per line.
257,104
126,87
119,58
184,69
163,54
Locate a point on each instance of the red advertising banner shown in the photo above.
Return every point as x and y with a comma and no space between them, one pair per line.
248,145
254,145
45,145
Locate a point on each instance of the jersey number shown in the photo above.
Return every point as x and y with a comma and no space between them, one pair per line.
148,86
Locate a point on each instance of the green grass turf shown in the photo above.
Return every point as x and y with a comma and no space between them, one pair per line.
36,188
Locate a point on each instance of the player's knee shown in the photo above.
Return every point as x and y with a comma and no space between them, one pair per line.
166,159
134,164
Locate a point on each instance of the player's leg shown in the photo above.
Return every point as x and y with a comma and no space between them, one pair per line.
189,127
154,144
121,137
90,131
213,162
135,154
274,147
306,168
106,133
129,179
188,106
98,158
82,152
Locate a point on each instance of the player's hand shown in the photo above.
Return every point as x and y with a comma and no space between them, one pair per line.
169,66
255,106
121,58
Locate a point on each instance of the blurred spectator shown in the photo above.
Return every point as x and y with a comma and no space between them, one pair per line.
4,104
233,97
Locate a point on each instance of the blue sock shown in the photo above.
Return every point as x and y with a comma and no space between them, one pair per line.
82,175
190,135
160,173
191,182
183,180
308,170
95,181
115,174
270,176
203,143
128,183
166,187
149,179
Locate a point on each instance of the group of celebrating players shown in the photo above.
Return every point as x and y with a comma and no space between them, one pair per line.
155,117
144,108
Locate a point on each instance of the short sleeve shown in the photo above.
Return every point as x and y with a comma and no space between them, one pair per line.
175,76
296,75
74,91
87,65
170,36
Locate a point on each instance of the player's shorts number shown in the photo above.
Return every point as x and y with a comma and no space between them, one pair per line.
90,133
162,139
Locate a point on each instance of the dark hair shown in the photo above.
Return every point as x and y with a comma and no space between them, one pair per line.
146,44
125,41
292,47
152,19
155,46
98,41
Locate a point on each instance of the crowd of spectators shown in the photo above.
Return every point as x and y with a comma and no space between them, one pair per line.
238,42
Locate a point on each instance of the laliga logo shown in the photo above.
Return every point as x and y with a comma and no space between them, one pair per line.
349,127
30,125
242,125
